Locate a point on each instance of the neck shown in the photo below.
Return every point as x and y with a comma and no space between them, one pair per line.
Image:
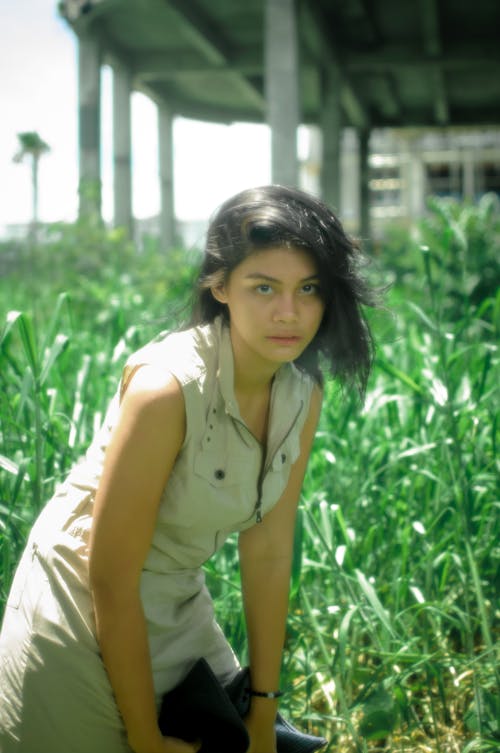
246,383
250,375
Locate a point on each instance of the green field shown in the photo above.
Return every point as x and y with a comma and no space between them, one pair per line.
393,629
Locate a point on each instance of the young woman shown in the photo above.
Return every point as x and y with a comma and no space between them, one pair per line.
210,433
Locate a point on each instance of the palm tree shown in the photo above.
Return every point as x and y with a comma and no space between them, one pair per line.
33,147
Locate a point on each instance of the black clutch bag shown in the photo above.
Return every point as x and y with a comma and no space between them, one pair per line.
200,708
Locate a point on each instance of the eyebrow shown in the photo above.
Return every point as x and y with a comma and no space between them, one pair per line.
260,276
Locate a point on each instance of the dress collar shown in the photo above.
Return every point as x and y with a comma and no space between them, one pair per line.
225,371
286,394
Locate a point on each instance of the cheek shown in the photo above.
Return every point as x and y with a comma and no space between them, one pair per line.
317,310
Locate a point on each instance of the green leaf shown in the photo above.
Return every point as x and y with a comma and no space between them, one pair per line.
297,553
53,325
377,724
8,465
485,715
58,346
26,329
11,319
392,370
343,637
380,715
423,316
375,602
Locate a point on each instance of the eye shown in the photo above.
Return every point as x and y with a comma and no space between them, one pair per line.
310,288
264,289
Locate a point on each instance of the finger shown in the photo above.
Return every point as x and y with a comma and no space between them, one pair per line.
174,745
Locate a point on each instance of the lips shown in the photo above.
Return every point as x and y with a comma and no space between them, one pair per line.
284,339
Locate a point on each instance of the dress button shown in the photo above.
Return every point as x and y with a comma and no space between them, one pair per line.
283,457
219,474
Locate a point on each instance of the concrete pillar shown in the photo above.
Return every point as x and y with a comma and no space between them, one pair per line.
166,159
469,183
89,121
455,179
122,161
349,184
282,88
405,174
309,179
412,182
419,181
364,186
331,126
480,179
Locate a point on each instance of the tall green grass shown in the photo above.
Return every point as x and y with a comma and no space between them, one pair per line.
393,631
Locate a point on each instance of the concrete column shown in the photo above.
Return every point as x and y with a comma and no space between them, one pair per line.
89,121
364,186
480,178
455,179
405,174
349,184
166,158
413,182
122,161
282,88
309,178
418,179
331,126
469,183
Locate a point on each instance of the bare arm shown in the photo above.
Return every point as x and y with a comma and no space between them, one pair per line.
266,552
139,459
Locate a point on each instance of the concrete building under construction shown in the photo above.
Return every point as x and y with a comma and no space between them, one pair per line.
402,96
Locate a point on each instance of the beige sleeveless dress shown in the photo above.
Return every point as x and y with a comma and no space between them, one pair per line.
55,696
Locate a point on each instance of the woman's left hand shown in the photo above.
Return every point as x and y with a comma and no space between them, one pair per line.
261,732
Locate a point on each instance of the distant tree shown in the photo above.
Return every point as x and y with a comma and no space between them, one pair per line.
32,147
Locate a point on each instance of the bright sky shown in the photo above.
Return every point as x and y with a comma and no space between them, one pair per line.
38,90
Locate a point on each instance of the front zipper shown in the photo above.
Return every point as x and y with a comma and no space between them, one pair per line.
258,505
267,464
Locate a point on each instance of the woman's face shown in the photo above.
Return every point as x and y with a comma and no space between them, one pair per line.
275,305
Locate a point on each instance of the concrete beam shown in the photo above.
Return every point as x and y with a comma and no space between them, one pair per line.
322,49
282,88
210,42
458,57
158,65
89,122
433,49
390,103
166,161
361,13
122,150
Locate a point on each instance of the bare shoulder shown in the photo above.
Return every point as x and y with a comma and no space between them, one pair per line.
311,422
316,399
153,395
315,404
151,385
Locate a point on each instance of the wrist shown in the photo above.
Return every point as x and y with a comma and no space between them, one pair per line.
263,711
270,695
146,743
260,724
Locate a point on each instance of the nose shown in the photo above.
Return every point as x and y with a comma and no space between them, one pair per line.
286,309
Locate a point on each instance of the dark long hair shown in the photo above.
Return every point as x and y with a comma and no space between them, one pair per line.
270,216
